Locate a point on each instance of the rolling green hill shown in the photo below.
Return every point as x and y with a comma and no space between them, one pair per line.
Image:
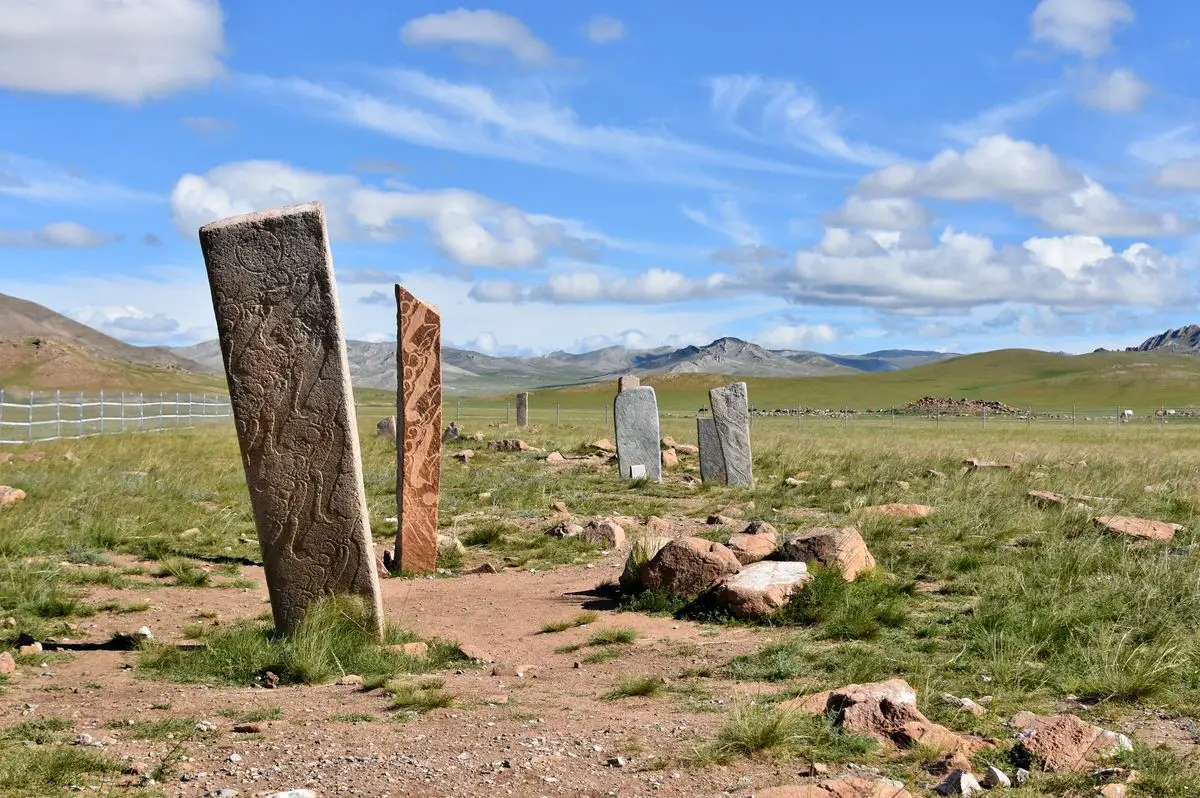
1022,378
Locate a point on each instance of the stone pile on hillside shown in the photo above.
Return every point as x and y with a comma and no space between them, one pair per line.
948,405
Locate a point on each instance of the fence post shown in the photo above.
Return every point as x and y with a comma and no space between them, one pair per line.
58,414
1,412
79,410
102,412
122,411
141,411
30,435
1072,415
558,415
190,422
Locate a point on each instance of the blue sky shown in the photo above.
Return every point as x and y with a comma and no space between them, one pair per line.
842,177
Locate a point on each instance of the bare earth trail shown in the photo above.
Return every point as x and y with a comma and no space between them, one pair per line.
547,731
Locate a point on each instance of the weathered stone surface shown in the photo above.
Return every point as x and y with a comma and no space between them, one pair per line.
994,777
888,712
712,463
604,445
284,352
464,455
757,542
386,428
845,787
605,533
7,664
635,412
844,548
523,409
509,445
555,457
670,459
624,383
452,432
449,544
688,566
687,448
10,495
418,441
959,782
902,511
761,588
1066,743
731,414
1138,527
975,464
641,552
1045,498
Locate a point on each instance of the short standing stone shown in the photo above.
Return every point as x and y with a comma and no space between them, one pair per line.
712,464
7,664
731,412
523,409
284,353
635,412
761,588
418,445
386,428
626,382
10,495
843,548
670,459
452,432
688,566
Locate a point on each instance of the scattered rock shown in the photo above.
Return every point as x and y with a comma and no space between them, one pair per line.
757,542
464,455
761,588
688,566
447,544
555,457
793,482
604,445
1021,777
350,680
975,464
843,548
30,648
386,428
292,794
959,782
933,473
617,762
565,530
1046,499
847,787
560,507
899,510
7,664
452,432
964,704
658,526
509,445
687,448
1138,527
476,653
416,649
720,520
235,758
249,728
640,553
606,533
485,568
1114,791
670,459
10,495
1066,743
994,777
733,511
485,496
838,484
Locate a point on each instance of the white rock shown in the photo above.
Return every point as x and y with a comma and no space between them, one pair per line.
995,777
960,782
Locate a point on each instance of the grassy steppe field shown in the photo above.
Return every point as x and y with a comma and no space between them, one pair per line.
991,595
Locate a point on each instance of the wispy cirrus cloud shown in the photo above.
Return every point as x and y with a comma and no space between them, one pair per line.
531,128
1003,118
481,29
56,235
26,178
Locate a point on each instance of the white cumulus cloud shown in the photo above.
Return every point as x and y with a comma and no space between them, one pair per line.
889,213
56,235
797,336
481,29
1119,91
1082,26
119,50
604,30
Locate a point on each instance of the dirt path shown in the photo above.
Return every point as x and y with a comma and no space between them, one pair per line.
544,732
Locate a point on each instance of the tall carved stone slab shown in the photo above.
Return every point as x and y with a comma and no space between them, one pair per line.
712,463
523,409
635,412
627,381
418,432
275,300
731,416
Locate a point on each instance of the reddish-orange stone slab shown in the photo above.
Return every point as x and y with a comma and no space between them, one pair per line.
418,432
1139,527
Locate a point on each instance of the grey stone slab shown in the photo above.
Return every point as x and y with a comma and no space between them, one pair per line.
635,412
731,414
523,409
626,382
712,462
275,299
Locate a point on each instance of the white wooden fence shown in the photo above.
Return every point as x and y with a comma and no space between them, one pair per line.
59,415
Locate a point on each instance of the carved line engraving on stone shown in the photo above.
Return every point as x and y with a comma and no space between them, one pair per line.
418,432
275,302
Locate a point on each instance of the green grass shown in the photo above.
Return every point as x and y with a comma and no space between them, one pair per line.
164,729
418,697
185,572
582,619
333,640
763,731
633,686
51,770
254,715
613,635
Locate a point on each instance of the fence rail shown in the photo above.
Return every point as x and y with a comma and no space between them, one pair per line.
58,415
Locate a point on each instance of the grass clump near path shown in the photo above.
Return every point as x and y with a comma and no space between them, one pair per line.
333,640
758,731
582,619
32,761
633,686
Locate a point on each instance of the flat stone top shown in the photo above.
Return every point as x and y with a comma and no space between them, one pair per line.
766,574
402,293
273,213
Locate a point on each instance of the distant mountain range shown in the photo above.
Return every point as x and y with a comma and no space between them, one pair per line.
373,365
1183,341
